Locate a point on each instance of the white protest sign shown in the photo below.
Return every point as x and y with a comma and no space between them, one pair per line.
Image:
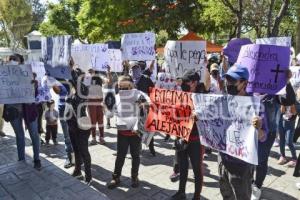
165,81
87,56
181,56
138,46
154,72
295,80
39,69
115,60
44,94
225,124
56,51
278,41
15,84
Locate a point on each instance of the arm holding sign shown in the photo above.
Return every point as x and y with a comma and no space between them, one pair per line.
257,122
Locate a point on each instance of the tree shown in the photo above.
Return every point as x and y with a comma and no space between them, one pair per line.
298,28
38,14
15,21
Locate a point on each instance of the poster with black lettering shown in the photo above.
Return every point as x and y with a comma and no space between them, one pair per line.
181,56
16,84
295,79
267,65
170,113
225,124
138,46
56,52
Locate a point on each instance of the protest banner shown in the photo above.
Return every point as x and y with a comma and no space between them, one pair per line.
39,69
267,65
90,56
56,51
278,41
232,49
181,56
295,80
16,84
58,72
43,94
165,81
138,46
170,113
115,60
225,124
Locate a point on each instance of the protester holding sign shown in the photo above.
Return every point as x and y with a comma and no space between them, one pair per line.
15,113
236,175
192,148
127,111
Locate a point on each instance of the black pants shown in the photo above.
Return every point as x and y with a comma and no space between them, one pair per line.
176,168
297,168
151,145
123,142
80,142
40,108
194,152
51,132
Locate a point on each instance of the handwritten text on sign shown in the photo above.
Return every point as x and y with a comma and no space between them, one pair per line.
115,60
88,56
170,112
267,65
225,124
181,56
15,84
233,48
138,46
56,51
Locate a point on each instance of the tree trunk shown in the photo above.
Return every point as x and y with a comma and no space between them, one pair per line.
239,24
279,17
270,17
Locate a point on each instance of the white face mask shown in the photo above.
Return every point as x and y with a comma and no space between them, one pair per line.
12,62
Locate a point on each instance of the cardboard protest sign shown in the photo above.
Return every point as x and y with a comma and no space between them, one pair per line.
138,46
56,51
232,49
267,65
170,113
278,41
87,56
15,84
58,72
181,56
225,124
295,80
43,94
115,60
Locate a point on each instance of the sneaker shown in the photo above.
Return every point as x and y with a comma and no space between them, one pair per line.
108,126
47,142
282,161
256,193
135,182
102,141
178,196
93,142
88,181
174,177
298,185
37,165
115,182
206,155
286,147
42,142
2,134
68,164
291,164
55,142
77,174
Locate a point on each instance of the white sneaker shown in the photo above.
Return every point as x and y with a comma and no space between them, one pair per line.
298,185
256,193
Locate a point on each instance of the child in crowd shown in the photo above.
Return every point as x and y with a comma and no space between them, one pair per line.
51,123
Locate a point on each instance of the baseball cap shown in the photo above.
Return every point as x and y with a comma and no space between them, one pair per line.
133,63
238,72
190,75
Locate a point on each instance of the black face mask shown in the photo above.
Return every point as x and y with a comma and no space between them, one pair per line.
215,74
185,87
232,89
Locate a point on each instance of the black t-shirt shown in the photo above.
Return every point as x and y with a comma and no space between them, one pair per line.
144,84
290,97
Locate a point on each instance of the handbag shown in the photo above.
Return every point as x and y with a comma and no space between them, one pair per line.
10,113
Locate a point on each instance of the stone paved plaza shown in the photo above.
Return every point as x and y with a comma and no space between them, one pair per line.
19,180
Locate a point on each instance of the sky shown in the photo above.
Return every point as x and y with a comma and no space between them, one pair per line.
51,1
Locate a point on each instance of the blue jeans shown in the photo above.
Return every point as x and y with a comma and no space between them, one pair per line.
65,129
286,133
17,125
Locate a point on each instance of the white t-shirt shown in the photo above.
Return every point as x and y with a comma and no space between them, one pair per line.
214,86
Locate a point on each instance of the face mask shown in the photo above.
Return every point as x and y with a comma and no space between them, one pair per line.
215,74
232,89
185,87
